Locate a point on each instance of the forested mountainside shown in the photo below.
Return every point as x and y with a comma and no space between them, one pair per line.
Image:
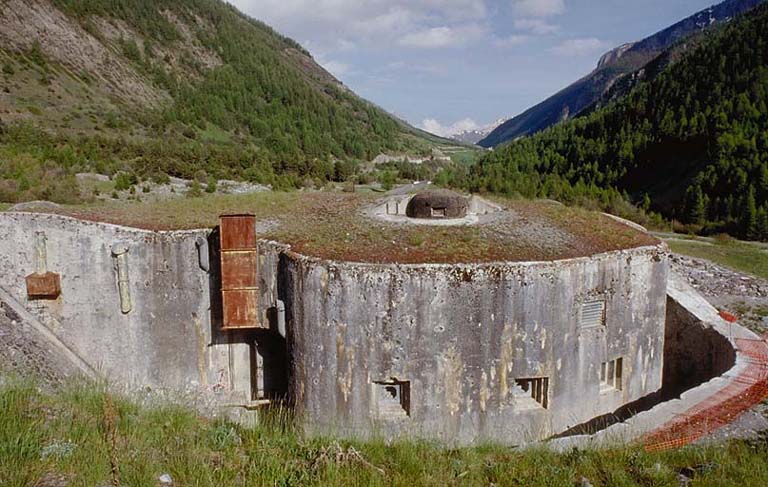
692,143
172,87
614,65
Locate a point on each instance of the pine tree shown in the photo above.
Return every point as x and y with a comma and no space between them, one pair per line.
749,224
696,206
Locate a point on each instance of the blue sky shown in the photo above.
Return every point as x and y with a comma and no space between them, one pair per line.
449,64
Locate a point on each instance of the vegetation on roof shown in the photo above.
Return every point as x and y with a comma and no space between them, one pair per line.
333,225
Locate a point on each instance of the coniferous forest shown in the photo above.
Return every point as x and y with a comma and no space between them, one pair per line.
692,143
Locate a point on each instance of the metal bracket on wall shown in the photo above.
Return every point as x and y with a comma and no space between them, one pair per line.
120,253
203,257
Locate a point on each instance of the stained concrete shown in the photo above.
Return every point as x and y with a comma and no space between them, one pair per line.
170,338
462,334
701,359
451,340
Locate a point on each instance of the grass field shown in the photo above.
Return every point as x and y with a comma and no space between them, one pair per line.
748,257
83,436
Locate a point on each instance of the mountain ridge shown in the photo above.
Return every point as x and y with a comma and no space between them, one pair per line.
690,143
572,99
177,88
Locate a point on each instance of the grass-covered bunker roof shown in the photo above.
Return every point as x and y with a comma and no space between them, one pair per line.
334,225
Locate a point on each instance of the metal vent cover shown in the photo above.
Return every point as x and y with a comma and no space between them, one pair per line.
592,314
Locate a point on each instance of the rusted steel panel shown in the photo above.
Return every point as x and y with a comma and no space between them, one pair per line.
238,232
238,269
43,286
241,308
239,272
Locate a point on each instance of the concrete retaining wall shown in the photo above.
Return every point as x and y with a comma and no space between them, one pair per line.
461,336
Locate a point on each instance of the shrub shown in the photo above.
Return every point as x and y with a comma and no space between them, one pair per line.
212,184
160,178
124,181
195,190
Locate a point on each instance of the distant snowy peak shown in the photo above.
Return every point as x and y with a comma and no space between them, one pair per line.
476,135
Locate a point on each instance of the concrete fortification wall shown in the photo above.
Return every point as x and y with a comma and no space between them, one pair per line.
507,352
162,331
458,338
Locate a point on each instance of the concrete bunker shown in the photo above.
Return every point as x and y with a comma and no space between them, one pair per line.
484,359
461,353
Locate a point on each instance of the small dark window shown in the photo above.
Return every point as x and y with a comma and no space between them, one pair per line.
532,393
611,375
393,397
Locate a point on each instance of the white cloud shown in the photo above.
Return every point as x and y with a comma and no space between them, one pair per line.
580,47
371,23
538,8
437,37
433,126
535,26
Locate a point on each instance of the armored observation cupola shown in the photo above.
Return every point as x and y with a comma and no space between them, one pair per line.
437,204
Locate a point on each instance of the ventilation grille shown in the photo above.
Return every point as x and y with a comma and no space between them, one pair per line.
592,314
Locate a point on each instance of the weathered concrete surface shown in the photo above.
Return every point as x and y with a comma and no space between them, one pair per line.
462,334
161,340
701,360
170,338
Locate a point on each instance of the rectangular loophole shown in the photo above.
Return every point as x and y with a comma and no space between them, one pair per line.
438,212
611,375
532,392
393,397
592,314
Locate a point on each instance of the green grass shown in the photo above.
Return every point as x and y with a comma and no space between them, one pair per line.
5,206
466,157
745,257
81,432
